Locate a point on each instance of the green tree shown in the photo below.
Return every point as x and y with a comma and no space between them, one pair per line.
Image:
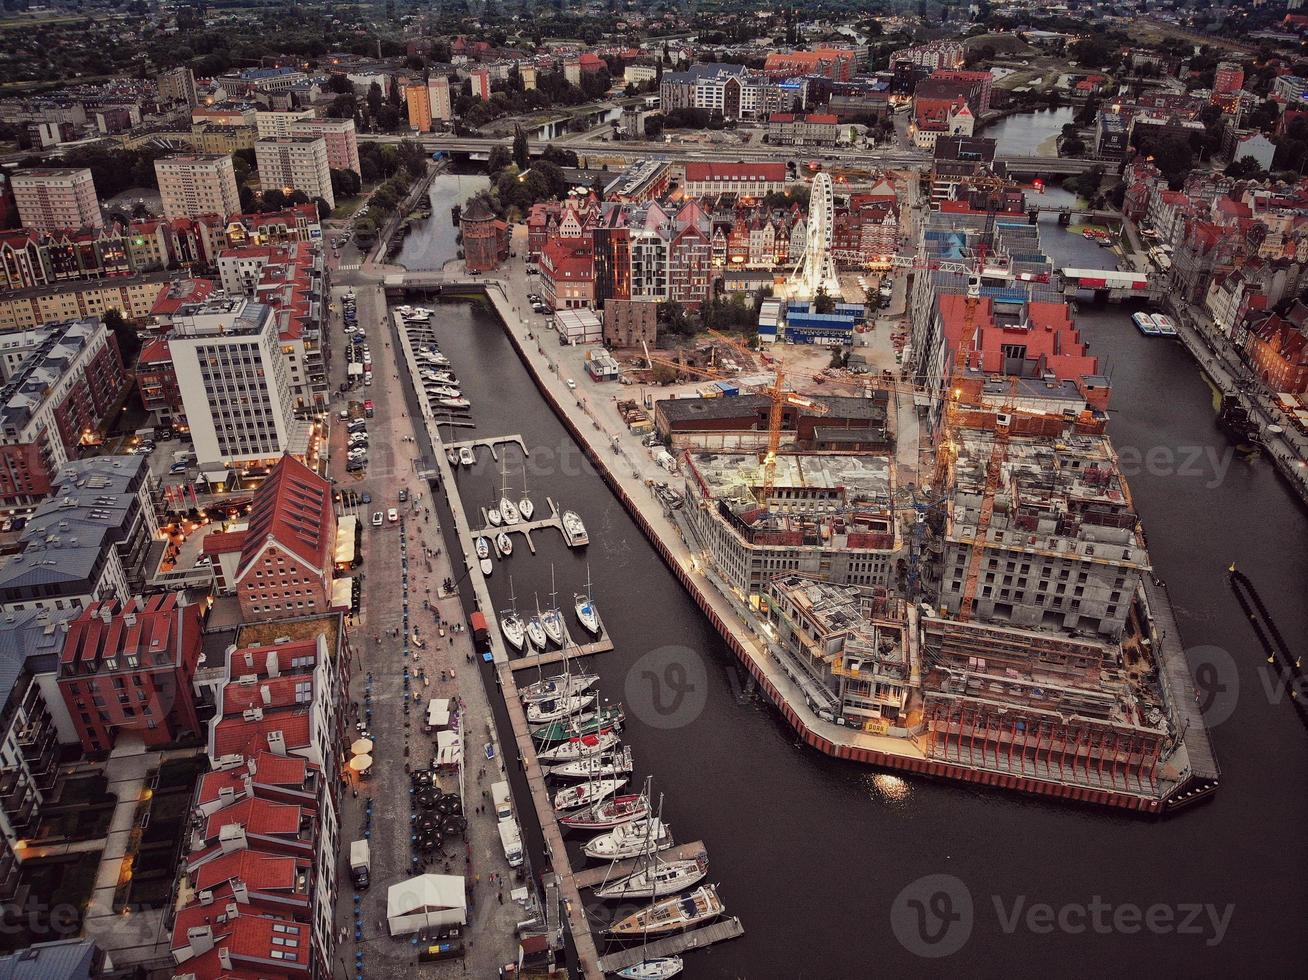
374,100
823,302
1243,168
521,153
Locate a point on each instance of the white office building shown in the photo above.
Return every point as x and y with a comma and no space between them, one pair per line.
295,163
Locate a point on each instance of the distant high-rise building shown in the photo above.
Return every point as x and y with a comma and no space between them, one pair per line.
178,85
56,199
419,103
295,163
341,138
1228,78
481,86
438,97
198,184
278,122
572,73
529,77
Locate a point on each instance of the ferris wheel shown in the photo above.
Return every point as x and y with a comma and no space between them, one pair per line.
817,269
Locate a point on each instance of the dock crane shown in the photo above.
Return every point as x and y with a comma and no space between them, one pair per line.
776,392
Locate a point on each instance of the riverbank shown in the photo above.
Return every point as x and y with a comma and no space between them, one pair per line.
782,683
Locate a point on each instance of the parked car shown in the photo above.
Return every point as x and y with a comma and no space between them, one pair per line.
376,518
392,514
367,497
404,494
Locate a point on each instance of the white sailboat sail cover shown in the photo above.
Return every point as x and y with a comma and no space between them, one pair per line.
426,902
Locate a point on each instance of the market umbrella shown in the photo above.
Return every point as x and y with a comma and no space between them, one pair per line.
361,763
361,746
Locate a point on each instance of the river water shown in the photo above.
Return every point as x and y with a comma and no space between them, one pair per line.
434,241
811,853
1023,134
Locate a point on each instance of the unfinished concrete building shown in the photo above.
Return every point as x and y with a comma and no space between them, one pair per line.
1061,547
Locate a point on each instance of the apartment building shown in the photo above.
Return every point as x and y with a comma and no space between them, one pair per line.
57,198
481,83
295,163
417,99
438,97
258,890
828,516
340,136
750,180
191,186
235,384
1061,547
802,129
129,667
68,378
27,309
278,122
731,91
178,85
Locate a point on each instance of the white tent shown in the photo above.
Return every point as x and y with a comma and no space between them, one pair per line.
426,902
438,712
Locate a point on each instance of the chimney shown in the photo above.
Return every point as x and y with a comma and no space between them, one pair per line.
240,891
231,837
224,958
265,694
129,619
106,614
273,670
200,938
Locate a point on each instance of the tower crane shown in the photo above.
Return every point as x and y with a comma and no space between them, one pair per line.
780,399
1003,428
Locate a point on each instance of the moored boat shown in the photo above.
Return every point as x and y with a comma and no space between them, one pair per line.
453,456
656,968
586,723
543,712
658,878
552,622
587,614
493,515
608,814
466,456
1164,325
503,545
536,633
508,510
579,747
593,766
454,403
513,628
586,794
482,545
630,840
574,531
559,686
673,914
1144,322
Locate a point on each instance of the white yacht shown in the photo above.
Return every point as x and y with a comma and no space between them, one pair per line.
513,628
579,747
586,794
508,511
658,878
587,614
536,633
466,456
604,766
503,545
551,620
630,840
656,968
574,531
558,686
546,711
525,507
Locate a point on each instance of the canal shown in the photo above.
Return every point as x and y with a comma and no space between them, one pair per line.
433,241
1029,133
812,853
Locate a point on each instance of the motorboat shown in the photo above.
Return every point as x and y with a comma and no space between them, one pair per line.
577,748
630,840
543,712
656,968
593,766
536,633
586,794
1165,325
672,914
574,531
435,390
453,403
514,629
1144,322
487,567
503,545
559,686
466,456
552,622
586,723
658,878
609,813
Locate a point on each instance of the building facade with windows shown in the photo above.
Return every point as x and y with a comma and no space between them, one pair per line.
295,163
53,199
195,185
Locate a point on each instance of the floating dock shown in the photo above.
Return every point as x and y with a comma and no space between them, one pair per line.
490,442
574,652
673,945
594,877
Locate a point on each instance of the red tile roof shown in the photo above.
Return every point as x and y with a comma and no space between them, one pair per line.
155,626
155,352
268,693
697,172
257,817
236,736
224,542
292,508
260,872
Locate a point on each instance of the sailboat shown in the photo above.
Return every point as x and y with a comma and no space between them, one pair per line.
483,554
658,878
511,624
589,766
586,794
536,632
493,515
657,968
544,712
587,614
630,840
673,914
525,507
558,686
551,619
508,510
503,545
609,814
579,747
586,723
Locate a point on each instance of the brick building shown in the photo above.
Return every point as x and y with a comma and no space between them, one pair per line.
485,237
1277,350
129,667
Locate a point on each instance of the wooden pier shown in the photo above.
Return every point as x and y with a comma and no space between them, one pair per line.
594,877
524,528
574,652
695,939
490,442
